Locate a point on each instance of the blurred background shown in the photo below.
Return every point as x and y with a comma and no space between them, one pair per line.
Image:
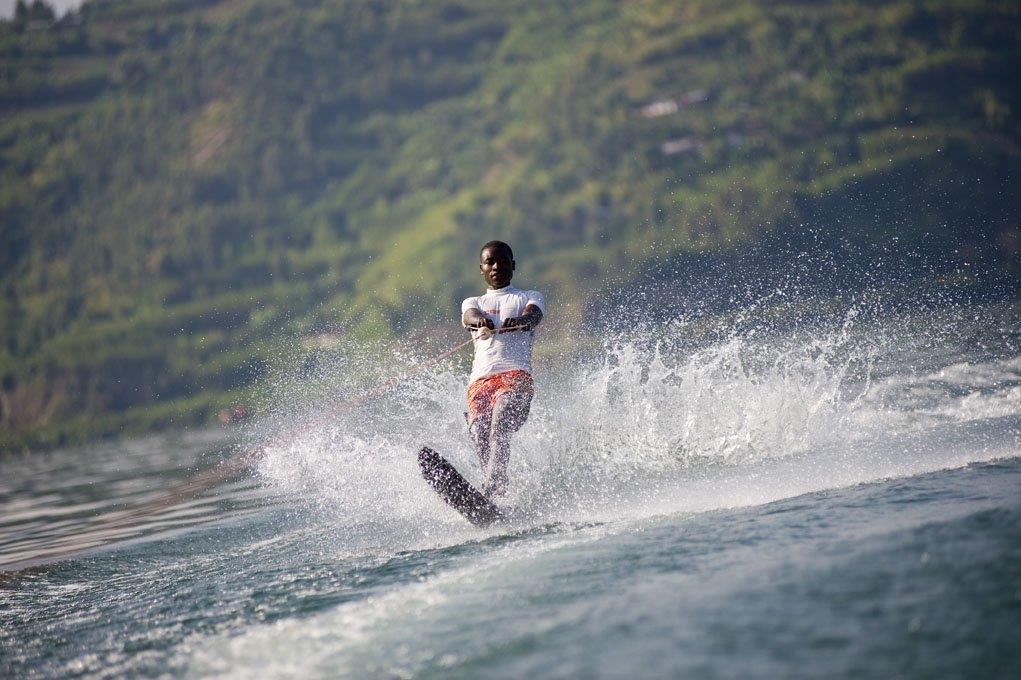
189,186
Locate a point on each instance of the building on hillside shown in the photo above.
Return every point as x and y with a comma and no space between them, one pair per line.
673,147
663,107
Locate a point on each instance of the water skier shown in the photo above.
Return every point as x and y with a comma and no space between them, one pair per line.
500,386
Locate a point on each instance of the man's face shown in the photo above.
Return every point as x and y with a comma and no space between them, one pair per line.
497,267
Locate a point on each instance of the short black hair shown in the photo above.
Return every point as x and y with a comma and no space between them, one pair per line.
496,244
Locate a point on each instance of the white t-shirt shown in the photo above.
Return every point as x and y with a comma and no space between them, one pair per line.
502,351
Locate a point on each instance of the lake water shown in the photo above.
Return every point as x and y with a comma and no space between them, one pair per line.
838,496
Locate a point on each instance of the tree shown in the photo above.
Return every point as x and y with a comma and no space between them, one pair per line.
37,11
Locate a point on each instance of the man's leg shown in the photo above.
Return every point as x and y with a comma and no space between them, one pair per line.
478,432
510,411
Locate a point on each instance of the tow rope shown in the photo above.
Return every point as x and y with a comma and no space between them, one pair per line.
246,460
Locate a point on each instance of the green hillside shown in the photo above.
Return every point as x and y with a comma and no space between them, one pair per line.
181,181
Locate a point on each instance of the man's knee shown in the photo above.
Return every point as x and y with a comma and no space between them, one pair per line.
512,411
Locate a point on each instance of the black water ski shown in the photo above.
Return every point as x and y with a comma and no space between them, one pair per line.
455,489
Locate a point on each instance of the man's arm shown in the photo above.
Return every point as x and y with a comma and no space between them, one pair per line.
474,318
529,319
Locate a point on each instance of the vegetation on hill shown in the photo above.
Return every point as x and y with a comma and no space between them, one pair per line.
182,179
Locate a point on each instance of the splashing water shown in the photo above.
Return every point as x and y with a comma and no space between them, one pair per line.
681,417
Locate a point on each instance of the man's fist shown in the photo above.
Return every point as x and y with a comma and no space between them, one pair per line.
483,327
517,323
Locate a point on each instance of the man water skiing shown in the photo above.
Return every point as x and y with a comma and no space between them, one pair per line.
500,386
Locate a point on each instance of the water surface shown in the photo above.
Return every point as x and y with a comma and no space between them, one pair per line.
836,499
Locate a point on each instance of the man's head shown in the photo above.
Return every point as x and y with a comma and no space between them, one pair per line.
496,260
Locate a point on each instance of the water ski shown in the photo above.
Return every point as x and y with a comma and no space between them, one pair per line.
455,489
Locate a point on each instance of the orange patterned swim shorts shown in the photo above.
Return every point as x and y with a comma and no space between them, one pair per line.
483,392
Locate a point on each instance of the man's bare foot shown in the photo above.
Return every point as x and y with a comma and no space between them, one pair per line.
494,490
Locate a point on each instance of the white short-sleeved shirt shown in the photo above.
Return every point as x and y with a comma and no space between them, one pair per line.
503,351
